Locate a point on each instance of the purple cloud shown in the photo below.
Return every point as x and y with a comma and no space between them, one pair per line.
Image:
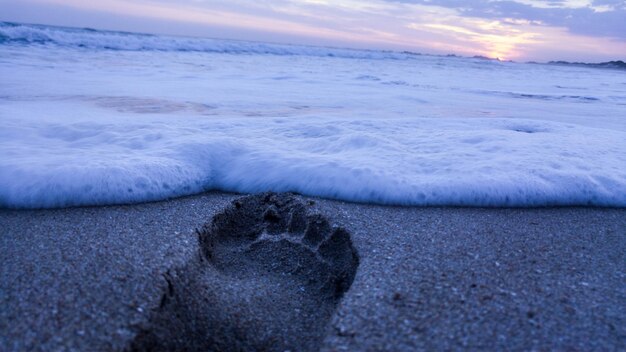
601,18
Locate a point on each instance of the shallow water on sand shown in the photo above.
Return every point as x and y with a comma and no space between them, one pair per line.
93,118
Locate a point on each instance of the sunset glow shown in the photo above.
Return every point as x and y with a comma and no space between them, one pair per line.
517,30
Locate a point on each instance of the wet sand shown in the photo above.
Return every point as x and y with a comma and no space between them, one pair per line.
137,276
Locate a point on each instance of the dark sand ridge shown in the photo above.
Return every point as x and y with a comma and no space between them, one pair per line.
269,273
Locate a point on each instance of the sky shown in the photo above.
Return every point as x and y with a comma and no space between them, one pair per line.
520,30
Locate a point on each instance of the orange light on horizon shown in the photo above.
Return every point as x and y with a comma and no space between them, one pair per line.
491,39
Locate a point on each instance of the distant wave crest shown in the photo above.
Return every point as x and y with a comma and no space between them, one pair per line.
24,34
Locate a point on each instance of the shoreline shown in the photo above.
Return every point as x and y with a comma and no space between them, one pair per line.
235,194
428,278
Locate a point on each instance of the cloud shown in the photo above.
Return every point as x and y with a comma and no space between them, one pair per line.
217,13
600,18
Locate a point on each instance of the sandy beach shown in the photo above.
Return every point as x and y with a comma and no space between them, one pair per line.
279,272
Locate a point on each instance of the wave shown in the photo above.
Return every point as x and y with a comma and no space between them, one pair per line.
459,162
87,38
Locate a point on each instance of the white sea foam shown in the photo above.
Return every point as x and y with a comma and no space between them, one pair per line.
94,127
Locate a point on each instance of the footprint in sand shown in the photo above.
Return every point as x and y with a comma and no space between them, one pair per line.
269,277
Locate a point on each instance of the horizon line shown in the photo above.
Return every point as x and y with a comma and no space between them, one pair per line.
409,52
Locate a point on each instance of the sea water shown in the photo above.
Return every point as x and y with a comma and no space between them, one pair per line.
94,117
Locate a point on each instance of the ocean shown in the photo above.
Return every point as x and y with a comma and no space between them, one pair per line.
95,117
